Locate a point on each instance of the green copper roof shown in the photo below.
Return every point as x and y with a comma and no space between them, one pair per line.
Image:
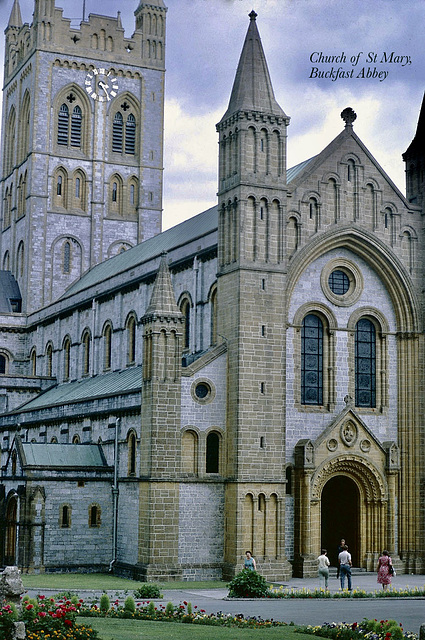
63,455
293,172
109,384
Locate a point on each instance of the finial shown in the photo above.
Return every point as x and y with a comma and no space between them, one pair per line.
348,115
252,15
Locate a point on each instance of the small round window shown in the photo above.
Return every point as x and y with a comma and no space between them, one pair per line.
202,390
339,282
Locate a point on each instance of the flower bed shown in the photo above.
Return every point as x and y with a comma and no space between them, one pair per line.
282,592
45,618
184,613
368,629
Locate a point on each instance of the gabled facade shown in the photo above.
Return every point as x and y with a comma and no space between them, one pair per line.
249,379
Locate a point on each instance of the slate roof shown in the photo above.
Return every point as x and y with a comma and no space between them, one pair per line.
105,385
196,227
62,455
9,290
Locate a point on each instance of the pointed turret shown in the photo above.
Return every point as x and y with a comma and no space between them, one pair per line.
15,19
252,88
414,157
163,302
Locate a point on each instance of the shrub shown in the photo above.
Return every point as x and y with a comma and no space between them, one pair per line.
104,603
169,609
129,605
147,590
248,584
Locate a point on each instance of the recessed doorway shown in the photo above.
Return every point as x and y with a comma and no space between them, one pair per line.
340,511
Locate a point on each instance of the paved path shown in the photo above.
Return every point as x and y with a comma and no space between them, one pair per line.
410,612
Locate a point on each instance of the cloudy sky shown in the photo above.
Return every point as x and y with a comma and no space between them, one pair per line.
382,38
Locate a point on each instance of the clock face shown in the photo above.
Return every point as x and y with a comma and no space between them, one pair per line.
101,85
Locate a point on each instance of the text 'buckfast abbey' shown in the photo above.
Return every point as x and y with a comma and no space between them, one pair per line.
248,379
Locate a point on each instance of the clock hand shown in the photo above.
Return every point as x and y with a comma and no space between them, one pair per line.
103,85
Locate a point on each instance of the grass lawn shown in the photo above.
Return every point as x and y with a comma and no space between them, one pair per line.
103,581
141,630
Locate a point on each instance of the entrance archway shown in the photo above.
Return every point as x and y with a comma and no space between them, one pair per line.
340,517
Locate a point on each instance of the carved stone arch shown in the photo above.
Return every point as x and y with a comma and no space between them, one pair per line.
117,247
191,444
410,230
78,199
351,156
122,109
373,182
389,205
377,317
370,482
72,95
67,263
377,255
331,175
319,309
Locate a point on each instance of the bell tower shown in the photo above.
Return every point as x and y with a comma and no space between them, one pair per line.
251,286
82,143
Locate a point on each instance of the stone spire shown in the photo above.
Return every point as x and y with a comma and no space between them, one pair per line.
163,301
15,19
417,144
252,88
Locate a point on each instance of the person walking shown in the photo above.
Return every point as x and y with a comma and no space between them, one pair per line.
344,560
323,569
249,562
384,569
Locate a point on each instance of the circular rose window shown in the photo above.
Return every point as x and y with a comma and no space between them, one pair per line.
342,282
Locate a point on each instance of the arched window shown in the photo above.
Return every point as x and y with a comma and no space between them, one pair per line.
24,126
22,195
124,127
33,359
20,257
365,363
76,119
132,196
312,360
214,317
6,209
131,454
65,516
115,197
63,124
70,122
66,358
76,439
79,191
185,309
130,135
3,363
86,342
190,452
117,132
107,339
131,340
49,360
94,515
60,193
66,265
213,453
6,261
10,142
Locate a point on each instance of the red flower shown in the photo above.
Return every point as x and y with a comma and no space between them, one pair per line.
29,607
68,623
42,614
41,597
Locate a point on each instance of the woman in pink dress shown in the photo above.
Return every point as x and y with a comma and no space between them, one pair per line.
384,564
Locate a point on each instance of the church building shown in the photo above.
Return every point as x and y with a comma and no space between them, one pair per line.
251,378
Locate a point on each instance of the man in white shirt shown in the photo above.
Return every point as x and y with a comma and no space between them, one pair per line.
344,560
323,569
